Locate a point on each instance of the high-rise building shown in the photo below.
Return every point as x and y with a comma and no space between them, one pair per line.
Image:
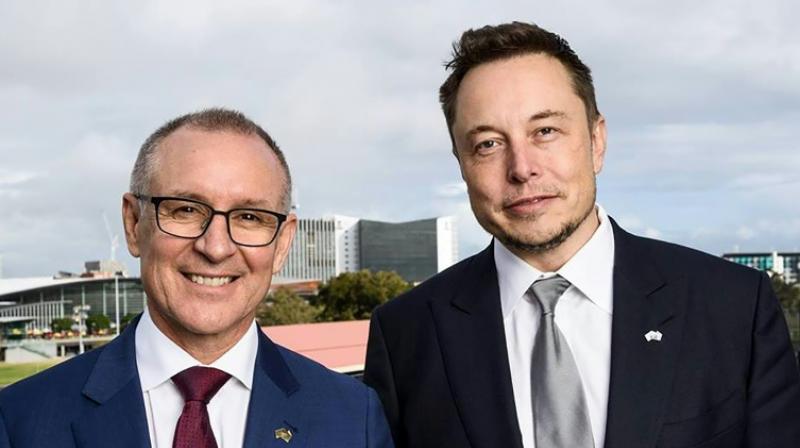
416,249
326,247
787,264
323,248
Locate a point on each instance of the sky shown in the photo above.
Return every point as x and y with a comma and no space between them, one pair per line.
702,101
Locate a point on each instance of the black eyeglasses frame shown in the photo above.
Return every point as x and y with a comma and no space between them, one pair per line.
157,200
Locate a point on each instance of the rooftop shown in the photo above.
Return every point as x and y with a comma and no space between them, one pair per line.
340,346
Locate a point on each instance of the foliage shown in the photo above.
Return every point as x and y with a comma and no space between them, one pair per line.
788,294
96,323
353,295
284,307
62,324
125,320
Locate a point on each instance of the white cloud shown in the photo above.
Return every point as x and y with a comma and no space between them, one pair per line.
457,189
701,100
8,178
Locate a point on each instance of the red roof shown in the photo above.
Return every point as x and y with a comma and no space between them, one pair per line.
341,346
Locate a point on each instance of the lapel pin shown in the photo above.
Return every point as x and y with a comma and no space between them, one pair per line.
283,434
653,335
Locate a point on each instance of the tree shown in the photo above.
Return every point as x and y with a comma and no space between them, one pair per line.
353,295
125,320
284,307
61,325
96,323
788,294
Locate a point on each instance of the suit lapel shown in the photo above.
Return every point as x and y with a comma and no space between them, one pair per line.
472,340
641,371
119,418
272,411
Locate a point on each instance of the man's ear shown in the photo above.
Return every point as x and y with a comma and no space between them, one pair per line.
598,143
283,242
131,217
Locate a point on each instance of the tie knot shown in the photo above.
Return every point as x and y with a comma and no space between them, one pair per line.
548,291
200,383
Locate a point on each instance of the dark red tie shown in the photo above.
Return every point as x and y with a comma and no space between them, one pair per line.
197,386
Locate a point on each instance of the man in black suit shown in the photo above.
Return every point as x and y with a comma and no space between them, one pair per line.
568,331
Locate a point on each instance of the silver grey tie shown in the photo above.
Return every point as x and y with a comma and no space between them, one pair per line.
560,417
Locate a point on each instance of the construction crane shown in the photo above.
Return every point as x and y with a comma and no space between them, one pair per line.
112,238
114,242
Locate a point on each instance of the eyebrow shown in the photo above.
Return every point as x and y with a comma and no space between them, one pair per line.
548,113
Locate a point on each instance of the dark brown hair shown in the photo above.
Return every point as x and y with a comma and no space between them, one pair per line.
213,120
492,43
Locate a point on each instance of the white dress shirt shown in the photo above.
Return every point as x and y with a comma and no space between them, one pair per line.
583,314
158,359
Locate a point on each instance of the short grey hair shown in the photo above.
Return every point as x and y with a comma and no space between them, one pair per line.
213,120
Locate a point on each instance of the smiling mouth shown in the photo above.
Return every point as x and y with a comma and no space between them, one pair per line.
529,201
210,281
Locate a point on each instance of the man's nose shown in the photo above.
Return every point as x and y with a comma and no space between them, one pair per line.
523,162
216,243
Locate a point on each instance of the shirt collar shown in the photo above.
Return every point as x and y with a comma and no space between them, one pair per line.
590,270
158,359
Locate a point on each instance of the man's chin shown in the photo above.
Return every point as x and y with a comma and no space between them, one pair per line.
538,244
530,245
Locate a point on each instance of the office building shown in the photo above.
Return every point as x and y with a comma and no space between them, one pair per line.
323,248
787,264
328,246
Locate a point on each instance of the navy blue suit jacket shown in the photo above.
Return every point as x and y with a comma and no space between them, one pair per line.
95,400
723,375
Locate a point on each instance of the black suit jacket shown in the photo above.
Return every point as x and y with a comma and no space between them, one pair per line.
723,375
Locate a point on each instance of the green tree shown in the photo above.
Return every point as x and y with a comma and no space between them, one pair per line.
788,294
284,307
353,295
62,324
96,323
125,320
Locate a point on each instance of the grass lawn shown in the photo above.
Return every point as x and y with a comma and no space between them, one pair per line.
10,373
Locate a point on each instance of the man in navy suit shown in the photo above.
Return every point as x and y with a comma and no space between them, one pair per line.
209,216
567,331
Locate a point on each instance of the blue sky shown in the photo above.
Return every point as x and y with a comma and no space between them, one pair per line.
702,101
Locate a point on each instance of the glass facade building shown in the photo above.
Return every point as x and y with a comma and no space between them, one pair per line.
55,299
787,264
324,248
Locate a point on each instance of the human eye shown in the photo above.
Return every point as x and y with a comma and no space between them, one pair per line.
252,219
486,146
249,217
546,133
183,210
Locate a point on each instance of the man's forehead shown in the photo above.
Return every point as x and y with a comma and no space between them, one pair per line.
222,168
190,147
533,83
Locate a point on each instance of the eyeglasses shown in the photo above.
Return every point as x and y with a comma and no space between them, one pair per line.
187,218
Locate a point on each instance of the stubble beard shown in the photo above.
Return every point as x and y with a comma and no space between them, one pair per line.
540,247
